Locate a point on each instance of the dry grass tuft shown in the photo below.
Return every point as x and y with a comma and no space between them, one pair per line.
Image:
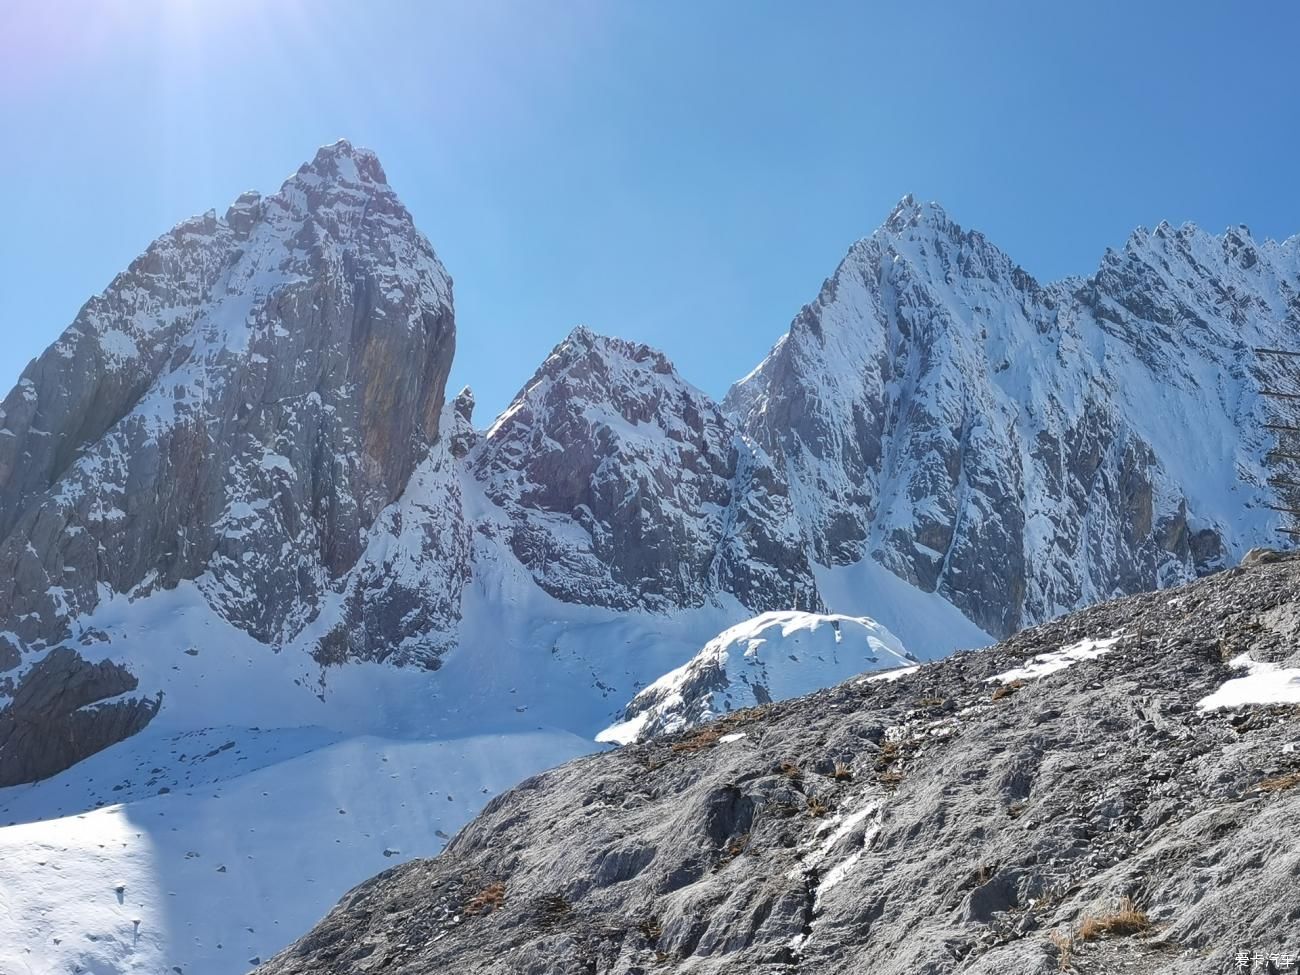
817,807
842,773
704,739
1006,690
490,898
1280,783
734,849
1064,948
791,771
1125,919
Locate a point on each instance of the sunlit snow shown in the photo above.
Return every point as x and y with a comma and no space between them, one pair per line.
1264,683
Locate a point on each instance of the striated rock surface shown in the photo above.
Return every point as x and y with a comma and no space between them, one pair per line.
1071,798
627,487
65,709
238,407
1026,449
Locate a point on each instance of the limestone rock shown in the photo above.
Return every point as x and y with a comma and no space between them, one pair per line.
950,820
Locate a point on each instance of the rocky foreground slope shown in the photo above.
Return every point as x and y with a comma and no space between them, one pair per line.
1068,799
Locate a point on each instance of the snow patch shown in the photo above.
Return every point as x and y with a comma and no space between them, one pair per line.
1049,663
1264,683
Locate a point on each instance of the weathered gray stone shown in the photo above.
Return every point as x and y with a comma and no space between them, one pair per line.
627,487
60,713
936,823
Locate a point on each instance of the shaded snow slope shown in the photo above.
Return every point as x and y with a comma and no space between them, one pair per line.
212,875
926,623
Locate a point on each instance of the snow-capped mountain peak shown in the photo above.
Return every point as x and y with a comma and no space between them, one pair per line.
1021,448
236,410
343,162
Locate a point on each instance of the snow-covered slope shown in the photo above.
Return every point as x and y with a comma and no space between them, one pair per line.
771,657
1025,449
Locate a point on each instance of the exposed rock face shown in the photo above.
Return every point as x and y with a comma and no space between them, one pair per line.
975,822
627,487
1026,449
240,405
255,405
460,431
65,709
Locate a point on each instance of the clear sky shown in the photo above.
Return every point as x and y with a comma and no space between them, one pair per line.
682,172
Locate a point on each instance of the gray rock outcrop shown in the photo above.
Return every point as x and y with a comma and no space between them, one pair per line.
627,487
65,709
1093,818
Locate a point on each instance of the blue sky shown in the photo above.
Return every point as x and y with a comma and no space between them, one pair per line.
680,172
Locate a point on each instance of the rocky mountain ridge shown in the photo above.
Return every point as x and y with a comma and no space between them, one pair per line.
1025,449
627,487
257,407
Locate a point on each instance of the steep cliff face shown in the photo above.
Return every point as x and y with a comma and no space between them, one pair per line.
239,406
1026,449
246,407
627,487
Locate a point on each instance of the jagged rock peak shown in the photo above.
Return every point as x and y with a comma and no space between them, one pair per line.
463,404
908,212
459,426
341,160
583,341
297,348
672,505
